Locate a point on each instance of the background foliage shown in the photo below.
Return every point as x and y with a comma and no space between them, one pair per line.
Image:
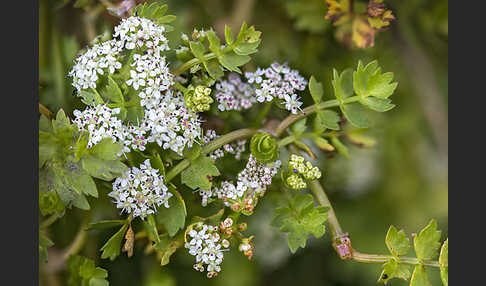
401,181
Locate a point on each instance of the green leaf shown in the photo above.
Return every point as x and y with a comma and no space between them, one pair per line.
112,247
356,114
44,244
106,149
392,269
174,217
377,104
103,169
397,242
419,277
198,49
214,43
167,246
426,243
228,35
102,224
213,68
300,219
81,202
82,271
232,61
198,173
340,147
369,81
316,90
323,144
48,147
151,227
112,91
88,97
299,127
45,124
444,263
327,119
342,84
244,49
193,152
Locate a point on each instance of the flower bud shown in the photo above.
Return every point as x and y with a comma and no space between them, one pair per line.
264,147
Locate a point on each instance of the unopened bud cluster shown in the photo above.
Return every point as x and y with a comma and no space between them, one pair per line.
198,99
301,170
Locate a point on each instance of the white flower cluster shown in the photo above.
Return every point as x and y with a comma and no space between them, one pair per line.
207,246
167,120
278,81
140,191
100,122
96,61
234,94
236,148
252,182
172,125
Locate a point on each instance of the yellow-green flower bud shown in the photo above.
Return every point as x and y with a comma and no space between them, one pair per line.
198,98
296,182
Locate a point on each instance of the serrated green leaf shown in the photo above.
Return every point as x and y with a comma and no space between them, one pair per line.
426,243
112,91
299,127
198,49
112,248
174,217
444,263
342,84
79,180
377,104
397,241
392,269
81,202
369,81
213,68
356,114
300,219
196,175
232,61
103,169
105,224
244,49
106,149
90,98
316,90
419,277
166,19
327,119
193,152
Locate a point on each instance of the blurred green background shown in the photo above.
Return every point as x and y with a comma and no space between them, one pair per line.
402,181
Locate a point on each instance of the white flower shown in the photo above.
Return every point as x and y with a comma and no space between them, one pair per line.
140,191
292,103
234,94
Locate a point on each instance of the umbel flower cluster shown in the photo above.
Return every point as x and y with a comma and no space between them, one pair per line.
301,170
139,43
207,245
264,85
140,191
252,183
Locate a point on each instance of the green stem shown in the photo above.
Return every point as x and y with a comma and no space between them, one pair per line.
50,220
309,110
44,110
187,65
78,241
379,258
210,147
286,141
